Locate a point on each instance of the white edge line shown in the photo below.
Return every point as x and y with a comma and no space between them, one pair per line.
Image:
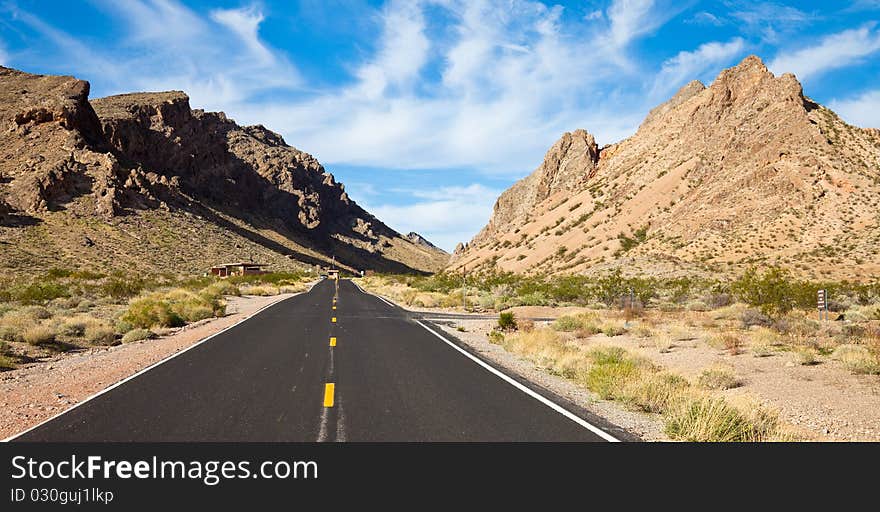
148,368
556,407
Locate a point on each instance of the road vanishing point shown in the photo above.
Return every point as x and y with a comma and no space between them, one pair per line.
332,364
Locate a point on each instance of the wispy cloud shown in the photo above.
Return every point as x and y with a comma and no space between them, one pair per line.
687,66
768,19
862,110
833,52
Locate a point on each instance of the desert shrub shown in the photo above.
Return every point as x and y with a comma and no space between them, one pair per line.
718,300
728,341
751,317
858,359
718,378
612,329
121,287
222,288
409,296
36,312
495,337
774,292
654,393
707,419
150,312
99,333
137,334
39,335
7,361
525,325
643,331
507,321
568,323
764,342
260,290
806,356
39,292
611,368
73,327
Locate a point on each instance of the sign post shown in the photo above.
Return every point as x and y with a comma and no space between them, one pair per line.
823,303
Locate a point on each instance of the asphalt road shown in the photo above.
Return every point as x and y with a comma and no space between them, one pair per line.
269,379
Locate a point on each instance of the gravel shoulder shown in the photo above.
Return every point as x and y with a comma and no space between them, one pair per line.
36,392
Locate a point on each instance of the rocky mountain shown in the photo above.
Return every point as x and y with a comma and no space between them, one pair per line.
142,181
747,171
418,239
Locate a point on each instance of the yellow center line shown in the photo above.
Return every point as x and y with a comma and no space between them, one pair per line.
329,390
333,341
333,319
334,308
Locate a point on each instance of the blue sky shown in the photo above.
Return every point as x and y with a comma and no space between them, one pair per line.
427,110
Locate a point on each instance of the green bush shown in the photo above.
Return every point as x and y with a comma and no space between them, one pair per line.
39,292
151,312
122,288
137,334
507,321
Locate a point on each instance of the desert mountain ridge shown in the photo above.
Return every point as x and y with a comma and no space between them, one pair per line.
144,182
747,171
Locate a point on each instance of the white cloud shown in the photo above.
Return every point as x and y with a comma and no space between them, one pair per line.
687,66
862,110
768,19
833,52
630,19
706,18
448,215
245,23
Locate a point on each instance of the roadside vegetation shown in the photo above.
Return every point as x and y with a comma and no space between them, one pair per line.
761,314
764,313
66,310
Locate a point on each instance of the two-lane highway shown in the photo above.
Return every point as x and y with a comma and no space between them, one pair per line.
325,365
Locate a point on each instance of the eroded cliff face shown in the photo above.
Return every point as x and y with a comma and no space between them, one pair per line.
746,171
120,156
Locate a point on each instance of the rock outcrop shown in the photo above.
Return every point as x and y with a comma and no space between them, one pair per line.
746,171
122,157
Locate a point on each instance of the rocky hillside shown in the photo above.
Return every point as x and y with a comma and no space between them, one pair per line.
747,171
142,181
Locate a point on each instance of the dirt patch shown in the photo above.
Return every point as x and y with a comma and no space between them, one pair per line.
36,392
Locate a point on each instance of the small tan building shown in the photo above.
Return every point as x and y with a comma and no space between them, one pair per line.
237,269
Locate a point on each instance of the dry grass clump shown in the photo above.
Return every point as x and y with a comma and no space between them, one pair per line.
7,361
704,418
260,290
100,333
806,355
719,377
615,374
173,308
858,359
764,342
612,329
572,323
730,342
39,335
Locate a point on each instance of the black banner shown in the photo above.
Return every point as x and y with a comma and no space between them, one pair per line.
134,476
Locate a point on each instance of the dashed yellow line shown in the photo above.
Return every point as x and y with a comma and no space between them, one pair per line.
332,341
329,390
333,319
334,308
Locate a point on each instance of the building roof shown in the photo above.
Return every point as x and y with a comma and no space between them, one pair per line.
246,264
